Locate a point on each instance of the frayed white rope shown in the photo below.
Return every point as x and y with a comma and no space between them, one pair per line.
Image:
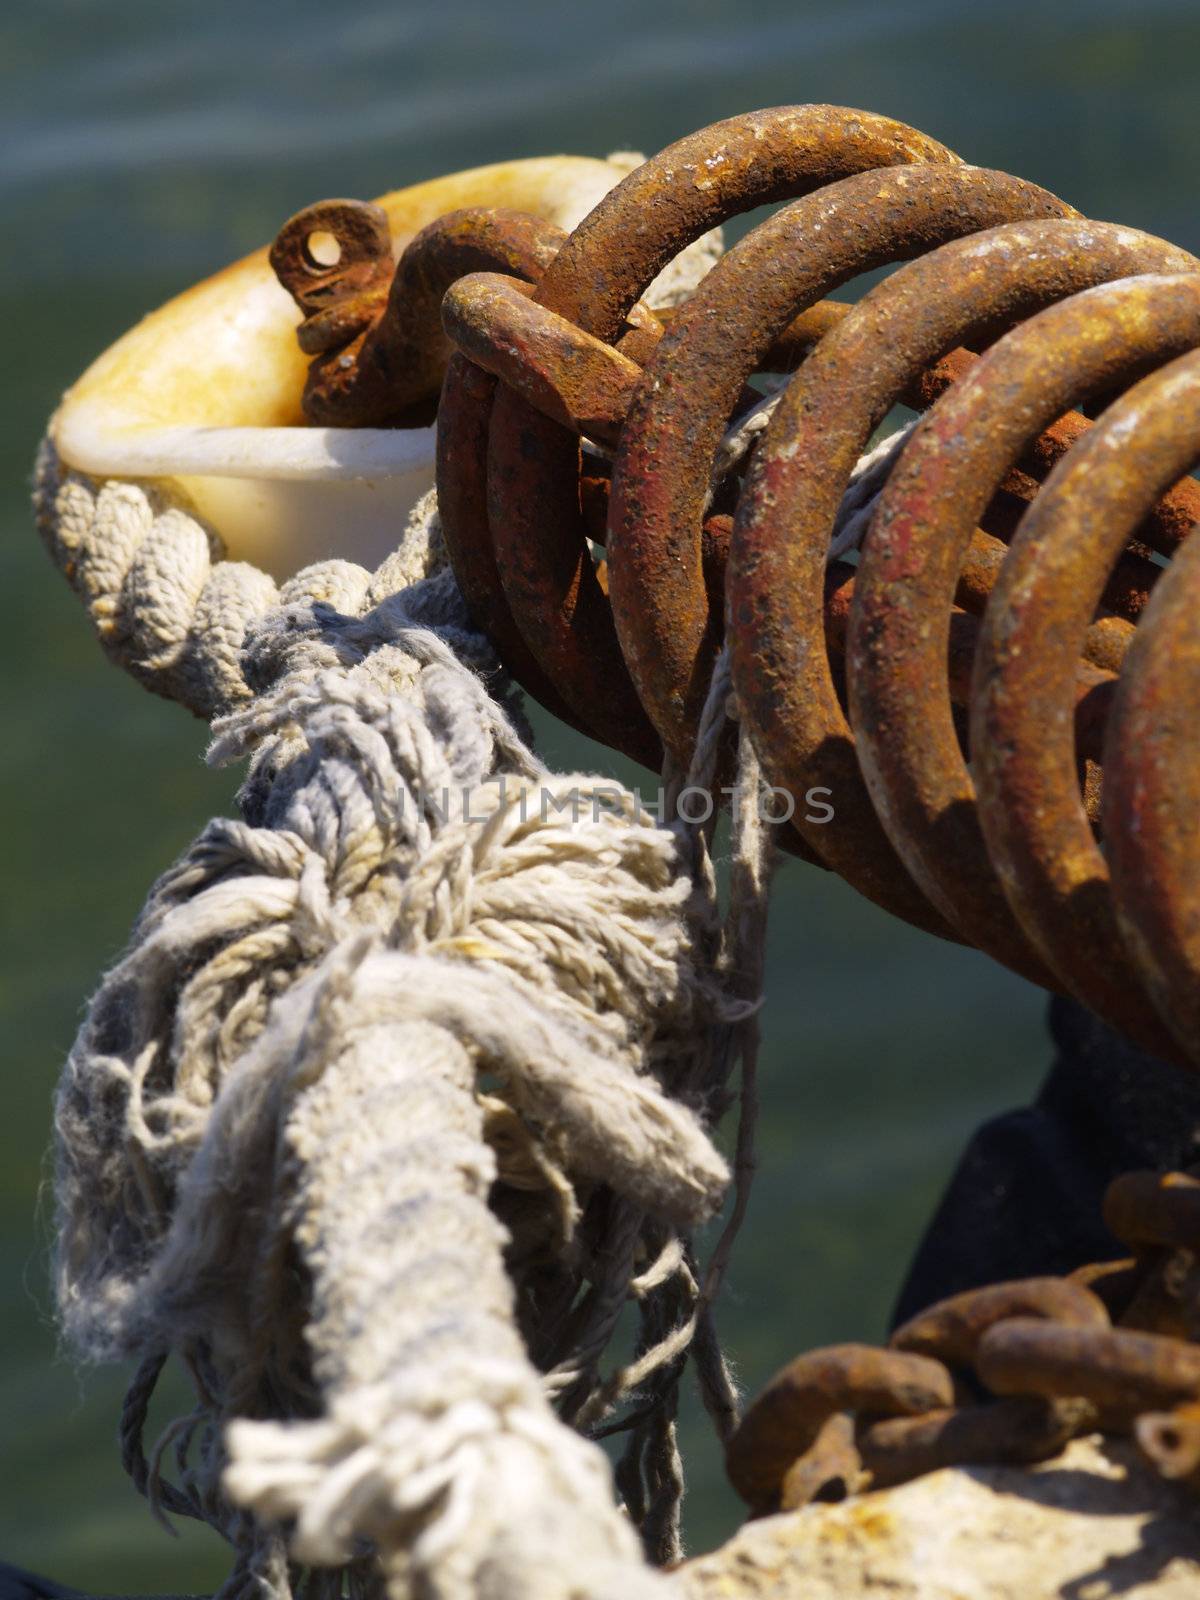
287,1067
398,1083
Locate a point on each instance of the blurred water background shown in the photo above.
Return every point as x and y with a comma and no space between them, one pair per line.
143,144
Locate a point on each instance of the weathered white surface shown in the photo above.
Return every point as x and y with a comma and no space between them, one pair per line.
1094,1523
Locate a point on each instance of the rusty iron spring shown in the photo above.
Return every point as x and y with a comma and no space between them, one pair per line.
999,690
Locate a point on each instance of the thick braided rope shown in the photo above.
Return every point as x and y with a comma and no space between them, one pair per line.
162,603
159,624
285,1068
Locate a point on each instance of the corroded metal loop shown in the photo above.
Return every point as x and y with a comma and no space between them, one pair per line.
1024,761
462,435
900,706
567,375
831,1462
609,262
335,260
717,340
1017,1430
1171,1440
950,1331
706,178
1154,1208
1152,775
785,1420
372,324
1122,1372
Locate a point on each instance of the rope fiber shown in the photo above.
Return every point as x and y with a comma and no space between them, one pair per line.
400,1093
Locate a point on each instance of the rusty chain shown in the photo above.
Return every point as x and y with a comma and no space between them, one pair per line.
1005,1374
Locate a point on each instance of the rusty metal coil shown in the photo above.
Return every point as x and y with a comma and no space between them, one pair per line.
999,697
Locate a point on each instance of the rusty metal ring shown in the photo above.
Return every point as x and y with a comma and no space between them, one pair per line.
341,295
832,1458
1152,777
1120,1371
1154,1208
1023,755
950,1331
567,375
966,290
1017,1430
609,261
1171,1440
462,434
463,412
784,1420
908,748
717,340
464,423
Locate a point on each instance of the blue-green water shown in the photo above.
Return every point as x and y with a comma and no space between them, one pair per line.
142,145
